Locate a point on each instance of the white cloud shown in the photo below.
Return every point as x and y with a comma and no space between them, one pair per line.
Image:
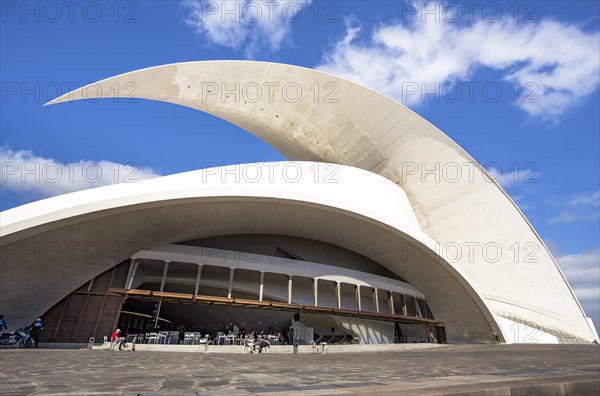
559,61
585,199
578,207
23,172
565,216
245,24
511,179
582,270
568,216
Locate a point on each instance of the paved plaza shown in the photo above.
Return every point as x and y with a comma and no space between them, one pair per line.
458,369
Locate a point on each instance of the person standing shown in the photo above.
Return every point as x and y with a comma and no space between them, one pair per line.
114,340
3,328
34,330
430,335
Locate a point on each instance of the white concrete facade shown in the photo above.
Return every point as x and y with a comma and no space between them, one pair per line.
463,231
200,204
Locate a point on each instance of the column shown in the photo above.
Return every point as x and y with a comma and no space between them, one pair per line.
417,309
162,287
338,294
316,290
198,275
375,300
164,276
404,312
357,295
289,289
230,288
158,313
391,302
262,286
135,267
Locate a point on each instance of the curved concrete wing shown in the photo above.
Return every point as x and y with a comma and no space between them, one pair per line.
77,236
310,115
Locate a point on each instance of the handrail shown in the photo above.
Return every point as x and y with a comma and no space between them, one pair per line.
274,305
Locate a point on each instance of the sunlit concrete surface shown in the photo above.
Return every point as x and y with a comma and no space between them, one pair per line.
448,370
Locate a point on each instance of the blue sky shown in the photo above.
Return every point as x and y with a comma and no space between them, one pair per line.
545,142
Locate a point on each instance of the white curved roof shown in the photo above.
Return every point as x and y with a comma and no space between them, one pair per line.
337,121
332,185
120,220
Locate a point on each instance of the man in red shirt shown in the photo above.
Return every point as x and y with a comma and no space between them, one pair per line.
114,340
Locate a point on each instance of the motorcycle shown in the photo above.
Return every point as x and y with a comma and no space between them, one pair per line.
20,336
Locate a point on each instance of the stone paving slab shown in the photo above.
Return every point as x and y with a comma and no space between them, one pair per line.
450,370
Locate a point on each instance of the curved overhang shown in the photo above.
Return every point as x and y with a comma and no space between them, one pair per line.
95,229
338,186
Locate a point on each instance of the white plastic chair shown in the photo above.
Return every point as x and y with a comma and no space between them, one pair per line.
163,337
151,338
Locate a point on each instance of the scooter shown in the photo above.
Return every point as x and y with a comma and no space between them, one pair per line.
20,336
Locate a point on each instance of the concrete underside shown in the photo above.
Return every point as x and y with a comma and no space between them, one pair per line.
161,223
442,370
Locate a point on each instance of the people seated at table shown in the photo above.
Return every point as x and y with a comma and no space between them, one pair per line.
229,336
263,344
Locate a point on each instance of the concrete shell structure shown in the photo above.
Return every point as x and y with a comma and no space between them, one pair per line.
431,214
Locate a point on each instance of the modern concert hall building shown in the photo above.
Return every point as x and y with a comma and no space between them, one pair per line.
378,229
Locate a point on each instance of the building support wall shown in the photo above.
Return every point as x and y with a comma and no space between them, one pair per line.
90,311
